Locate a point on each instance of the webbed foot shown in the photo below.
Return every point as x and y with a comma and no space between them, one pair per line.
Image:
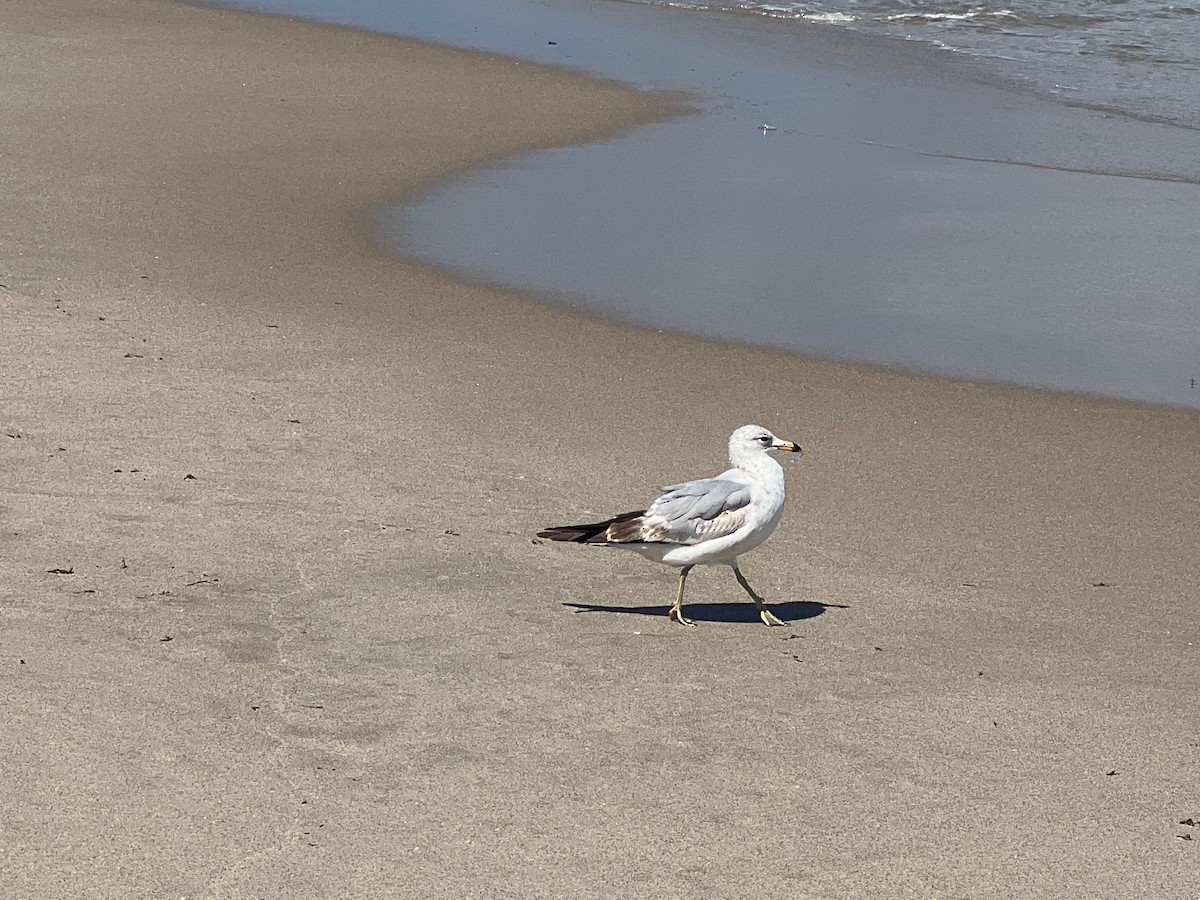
676,615
768,617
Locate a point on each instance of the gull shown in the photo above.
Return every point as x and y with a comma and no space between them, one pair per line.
707,522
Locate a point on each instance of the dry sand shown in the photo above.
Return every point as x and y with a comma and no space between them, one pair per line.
334,663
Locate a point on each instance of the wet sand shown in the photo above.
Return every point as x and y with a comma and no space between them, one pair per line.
333,662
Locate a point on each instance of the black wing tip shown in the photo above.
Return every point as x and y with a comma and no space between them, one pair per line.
591,533
560,533
572,534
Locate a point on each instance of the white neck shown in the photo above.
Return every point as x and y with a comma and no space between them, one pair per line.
757,462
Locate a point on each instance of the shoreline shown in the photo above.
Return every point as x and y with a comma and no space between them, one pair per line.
938,176
274,621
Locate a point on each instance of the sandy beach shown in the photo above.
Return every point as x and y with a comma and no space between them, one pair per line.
273,620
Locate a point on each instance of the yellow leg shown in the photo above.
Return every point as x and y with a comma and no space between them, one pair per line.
676,614
768,617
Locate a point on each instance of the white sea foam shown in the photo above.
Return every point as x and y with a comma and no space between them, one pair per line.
951,17
833,18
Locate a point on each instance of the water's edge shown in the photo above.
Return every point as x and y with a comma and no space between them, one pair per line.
829,117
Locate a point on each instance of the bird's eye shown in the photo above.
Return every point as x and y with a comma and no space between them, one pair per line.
764,438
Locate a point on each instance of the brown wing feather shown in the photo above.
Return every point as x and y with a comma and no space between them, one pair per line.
638,530
725,523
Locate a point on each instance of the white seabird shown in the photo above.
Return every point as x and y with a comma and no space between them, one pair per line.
707,522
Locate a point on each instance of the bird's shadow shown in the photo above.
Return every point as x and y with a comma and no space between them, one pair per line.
742,612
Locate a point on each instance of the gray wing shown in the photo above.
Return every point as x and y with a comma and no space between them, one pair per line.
697,511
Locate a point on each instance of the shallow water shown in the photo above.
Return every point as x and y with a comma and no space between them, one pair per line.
1138,56
1022,276
863,227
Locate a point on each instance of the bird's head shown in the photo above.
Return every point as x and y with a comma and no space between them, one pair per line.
751,440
